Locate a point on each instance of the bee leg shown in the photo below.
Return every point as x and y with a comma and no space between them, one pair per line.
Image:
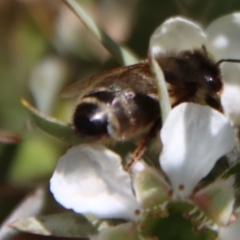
136,155
142,145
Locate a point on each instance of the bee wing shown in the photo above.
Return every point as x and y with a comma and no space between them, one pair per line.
75,89
106,78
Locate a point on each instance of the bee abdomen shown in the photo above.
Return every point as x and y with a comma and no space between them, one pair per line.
89,120
91,117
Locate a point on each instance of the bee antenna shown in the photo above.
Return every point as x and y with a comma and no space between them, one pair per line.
228,60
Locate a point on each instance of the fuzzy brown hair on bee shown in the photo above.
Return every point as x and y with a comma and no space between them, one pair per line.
191,76
123,104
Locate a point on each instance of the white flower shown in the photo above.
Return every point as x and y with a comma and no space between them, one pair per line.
221,39
223,35
192,144
90,178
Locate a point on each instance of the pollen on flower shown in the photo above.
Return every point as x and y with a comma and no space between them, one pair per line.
181,187
137,212
157,211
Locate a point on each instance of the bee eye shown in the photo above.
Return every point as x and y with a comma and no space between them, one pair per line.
214,83
90,120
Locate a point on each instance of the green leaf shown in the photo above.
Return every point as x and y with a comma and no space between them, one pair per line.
31,205
62,225
123,55
52,126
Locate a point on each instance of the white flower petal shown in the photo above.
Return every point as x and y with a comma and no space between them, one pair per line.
176,34
224,37
231,232
230,97
90,179
194,137
224,42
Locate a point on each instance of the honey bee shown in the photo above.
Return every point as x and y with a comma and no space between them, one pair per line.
122,103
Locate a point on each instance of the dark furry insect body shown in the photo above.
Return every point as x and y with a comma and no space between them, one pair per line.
123,104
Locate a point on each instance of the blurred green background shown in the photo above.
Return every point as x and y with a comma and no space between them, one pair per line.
43,48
